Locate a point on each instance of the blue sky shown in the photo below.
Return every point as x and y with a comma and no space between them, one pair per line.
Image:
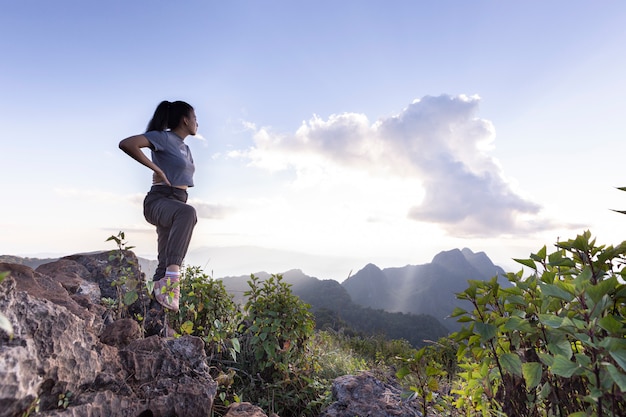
332,133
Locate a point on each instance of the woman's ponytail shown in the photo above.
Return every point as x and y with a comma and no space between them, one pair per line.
159,119
169,115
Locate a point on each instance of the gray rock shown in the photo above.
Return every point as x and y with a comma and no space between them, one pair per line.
364,395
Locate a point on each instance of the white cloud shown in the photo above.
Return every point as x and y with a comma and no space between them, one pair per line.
202,139
437,143
210,211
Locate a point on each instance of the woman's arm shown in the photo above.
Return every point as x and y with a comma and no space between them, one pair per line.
132,146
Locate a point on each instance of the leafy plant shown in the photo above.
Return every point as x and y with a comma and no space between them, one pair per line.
207,311
64,400
554,343
428,373
423,375
279,325
225,386
275,333
128,284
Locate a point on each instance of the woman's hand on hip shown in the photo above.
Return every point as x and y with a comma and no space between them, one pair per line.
159,177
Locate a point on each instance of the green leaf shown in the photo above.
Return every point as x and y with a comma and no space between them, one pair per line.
564,367
517,299
551,320
402,372
583,360
610,324
618,377
187,327
130,297
516,323
557,259
532,374
486,331
620,357
511,363
235,342
432,371
602,288
541,254
527,262
613,343
458,312
559,345
545,358
464,319
555,291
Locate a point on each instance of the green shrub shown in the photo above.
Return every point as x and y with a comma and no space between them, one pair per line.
128,285
554,343
427,374
278,326
274,350
207,310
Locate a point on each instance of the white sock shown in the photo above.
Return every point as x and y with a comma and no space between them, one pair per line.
172,274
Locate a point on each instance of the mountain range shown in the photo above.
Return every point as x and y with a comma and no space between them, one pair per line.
420,290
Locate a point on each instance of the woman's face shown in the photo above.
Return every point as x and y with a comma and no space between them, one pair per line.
191,123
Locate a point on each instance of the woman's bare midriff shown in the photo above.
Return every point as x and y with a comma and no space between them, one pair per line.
182,187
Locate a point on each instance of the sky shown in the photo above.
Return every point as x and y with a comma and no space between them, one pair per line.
332,134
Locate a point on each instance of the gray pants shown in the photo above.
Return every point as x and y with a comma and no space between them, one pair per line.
166,208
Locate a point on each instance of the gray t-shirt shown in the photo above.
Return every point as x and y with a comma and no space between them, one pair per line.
172,155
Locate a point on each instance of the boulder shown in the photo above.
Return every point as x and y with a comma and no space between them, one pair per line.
364,395
67,357
88,273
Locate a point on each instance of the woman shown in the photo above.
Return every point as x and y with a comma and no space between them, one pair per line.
165,204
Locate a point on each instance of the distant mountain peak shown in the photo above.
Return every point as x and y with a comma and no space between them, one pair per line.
469,252
481,262
295,271
371,267
451,258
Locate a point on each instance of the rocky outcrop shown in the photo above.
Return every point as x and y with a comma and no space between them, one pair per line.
364,395
68,357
